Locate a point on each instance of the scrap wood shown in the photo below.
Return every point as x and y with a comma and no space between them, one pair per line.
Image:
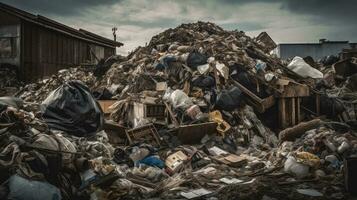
298,130
261,171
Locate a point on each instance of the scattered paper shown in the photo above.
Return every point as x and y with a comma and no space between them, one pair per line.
195,193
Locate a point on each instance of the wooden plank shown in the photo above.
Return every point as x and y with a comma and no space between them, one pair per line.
173,118
282,113
317,104
192,134
298,109
293,122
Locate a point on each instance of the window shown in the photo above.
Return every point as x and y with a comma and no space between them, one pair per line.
7,47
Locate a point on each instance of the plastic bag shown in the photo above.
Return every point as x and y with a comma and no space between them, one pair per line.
24,189
71,108
229,99
178,99
299,66
153,161
204,82
164,62
260,65
298,169
195,59
11,101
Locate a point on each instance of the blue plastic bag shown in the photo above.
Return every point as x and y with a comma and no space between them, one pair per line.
24,189
153,161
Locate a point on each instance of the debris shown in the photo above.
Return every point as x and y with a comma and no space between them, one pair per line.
175,161
264,39
195,193
292,133
299,66
229,99
21,188
144,134
72,108
105,104
193,114
231,181
350,164
298,169
310,192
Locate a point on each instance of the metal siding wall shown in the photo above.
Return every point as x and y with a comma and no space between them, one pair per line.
46,51
31,65
316,51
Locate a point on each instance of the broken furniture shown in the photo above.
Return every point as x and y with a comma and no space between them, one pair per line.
192,134
115,132
289,102
146,109
144,134
261,105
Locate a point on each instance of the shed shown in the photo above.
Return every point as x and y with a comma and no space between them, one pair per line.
38,47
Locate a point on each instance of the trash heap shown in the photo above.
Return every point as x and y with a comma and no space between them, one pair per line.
198,113
9,81
38,91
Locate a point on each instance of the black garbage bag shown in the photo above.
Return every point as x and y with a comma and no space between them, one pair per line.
204,82
331,107
329,60
195,59
102,94
104,65
72,108
229,99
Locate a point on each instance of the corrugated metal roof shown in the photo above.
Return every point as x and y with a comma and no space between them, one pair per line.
56,26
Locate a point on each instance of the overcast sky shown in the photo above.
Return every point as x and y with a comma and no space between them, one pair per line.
138,20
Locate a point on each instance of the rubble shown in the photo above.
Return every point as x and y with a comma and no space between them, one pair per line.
200,112
9,82
37,92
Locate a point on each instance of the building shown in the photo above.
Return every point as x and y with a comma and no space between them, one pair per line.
38,47
315,50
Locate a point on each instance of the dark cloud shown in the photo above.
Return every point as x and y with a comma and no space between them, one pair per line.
325,11
329,11
138,20
57,7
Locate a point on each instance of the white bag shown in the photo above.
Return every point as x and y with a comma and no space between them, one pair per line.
299,66
293,167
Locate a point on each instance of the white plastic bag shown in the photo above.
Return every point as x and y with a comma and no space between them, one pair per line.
293,167
299,66
178,99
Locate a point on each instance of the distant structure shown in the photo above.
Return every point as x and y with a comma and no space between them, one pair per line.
38,47
315,50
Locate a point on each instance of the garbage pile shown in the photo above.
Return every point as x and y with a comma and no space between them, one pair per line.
198,113
38,91
9,81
